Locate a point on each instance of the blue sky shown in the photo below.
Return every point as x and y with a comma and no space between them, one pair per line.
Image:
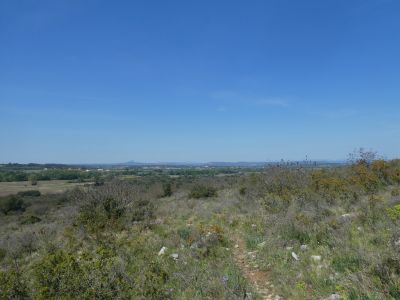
112,81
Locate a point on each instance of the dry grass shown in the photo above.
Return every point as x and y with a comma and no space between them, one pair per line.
45,187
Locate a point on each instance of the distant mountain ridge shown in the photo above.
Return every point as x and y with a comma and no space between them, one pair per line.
213,164
242,164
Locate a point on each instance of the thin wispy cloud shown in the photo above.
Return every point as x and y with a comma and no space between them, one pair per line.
342,113
272,102
234,98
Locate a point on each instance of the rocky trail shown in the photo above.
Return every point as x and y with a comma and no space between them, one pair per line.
257,278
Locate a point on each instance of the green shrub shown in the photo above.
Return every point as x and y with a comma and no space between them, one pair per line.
242,190
293,231
98,181
112,205
31,193
2,254
167,189
58,275
99,215
387,269
11,203
355,294
394,212
12,286
202,191
63,275
154,282
143,210
394,291
184,233
33,179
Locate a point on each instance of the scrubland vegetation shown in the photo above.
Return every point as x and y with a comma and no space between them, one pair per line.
312,233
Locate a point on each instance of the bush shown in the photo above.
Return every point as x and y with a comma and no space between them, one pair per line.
30,220
2,254
142,211
63,275
242,190
111,205
12,286
30,193
394,212
155,278
11,203
106,212
167,187
202,191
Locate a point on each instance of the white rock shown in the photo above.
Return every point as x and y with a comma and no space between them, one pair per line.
175,256
294,255
334,297
162,251
236,246
289,248
316,257
253,225
348,217
303,247
261,245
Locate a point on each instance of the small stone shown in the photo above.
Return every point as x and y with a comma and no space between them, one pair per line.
169,291
253,225
334,297
175,256
225,279
162,251
289,248
294,255
316,257
347,217
303,247
236,246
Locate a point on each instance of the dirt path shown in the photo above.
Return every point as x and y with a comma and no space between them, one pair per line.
259,279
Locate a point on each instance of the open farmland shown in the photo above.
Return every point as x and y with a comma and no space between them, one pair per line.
45,187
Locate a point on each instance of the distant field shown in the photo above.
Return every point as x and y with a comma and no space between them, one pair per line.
45,187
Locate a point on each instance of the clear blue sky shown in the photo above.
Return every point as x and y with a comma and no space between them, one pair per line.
112,81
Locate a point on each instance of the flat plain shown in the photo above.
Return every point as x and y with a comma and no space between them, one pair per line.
45,187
